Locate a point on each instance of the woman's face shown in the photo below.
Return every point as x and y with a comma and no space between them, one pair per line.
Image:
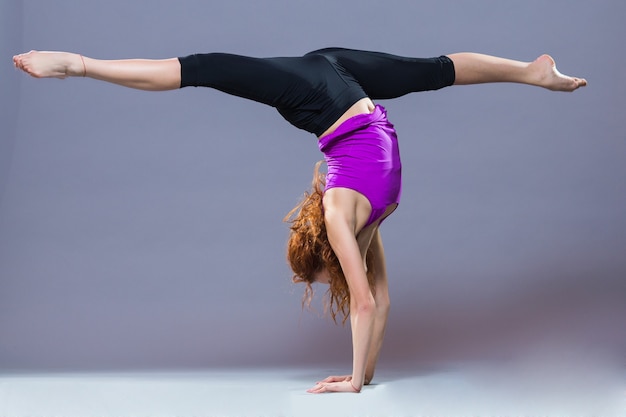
322,277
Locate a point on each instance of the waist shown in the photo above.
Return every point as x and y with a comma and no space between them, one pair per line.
363,106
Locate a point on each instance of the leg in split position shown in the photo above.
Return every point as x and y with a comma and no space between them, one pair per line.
160,75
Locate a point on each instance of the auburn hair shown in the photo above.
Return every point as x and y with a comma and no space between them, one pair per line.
309,251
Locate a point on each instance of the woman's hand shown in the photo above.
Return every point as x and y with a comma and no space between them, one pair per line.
334,384
337,378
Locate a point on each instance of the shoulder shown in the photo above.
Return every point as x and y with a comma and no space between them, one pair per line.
347,206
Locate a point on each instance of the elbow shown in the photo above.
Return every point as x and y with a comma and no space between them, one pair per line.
383,305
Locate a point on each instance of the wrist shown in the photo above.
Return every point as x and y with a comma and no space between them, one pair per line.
357,390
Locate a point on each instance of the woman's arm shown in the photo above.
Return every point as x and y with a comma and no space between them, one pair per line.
340,217
382,305
381,299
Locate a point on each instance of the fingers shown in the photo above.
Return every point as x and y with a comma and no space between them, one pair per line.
323,387
317,389
337,378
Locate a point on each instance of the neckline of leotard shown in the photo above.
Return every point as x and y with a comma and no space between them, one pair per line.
353,123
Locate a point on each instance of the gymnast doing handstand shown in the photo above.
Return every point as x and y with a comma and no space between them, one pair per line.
334,232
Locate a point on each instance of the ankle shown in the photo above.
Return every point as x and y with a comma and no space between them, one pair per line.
75,65
82,59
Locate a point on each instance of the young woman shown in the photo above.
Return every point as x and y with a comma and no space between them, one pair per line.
334,231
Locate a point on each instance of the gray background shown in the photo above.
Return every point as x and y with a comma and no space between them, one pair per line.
143,230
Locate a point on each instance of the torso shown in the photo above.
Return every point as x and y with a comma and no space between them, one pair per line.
363,167
361,206
363,106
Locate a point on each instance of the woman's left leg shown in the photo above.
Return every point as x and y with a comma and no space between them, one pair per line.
143,74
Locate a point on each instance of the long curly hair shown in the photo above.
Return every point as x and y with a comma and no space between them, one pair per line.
309,251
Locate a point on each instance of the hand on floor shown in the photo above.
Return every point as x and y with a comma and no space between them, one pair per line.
334,384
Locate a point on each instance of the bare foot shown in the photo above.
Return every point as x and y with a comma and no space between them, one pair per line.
50,64
547,76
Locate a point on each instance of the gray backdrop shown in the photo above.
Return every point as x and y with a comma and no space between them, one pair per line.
143,230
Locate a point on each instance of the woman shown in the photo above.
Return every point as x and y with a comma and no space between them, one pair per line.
328,93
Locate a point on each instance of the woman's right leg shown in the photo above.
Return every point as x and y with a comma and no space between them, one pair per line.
143,74
472,68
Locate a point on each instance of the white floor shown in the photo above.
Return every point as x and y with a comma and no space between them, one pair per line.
557,385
